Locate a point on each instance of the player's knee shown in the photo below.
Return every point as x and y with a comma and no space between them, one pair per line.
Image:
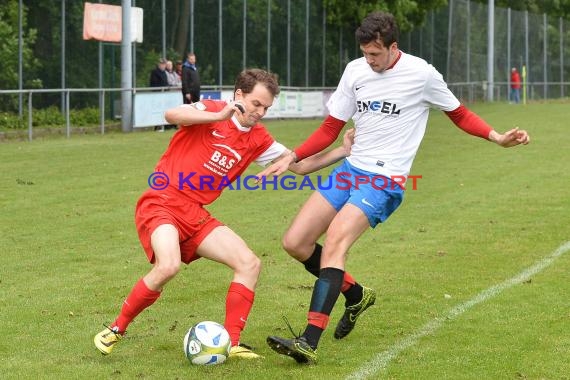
337,246
295,247
255,266
249,264
287,244
290,244
168,270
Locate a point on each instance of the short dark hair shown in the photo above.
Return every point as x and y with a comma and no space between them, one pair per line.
248,78
378,26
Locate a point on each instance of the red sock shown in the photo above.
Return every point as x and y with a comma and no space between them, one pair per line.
347,282
139,299
238,304
319,320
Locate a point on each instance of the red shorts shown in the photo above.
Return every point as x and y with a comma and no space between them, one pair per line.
191,220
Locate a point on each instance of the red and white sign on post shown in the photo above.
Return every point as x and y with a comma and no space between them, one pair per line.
103,22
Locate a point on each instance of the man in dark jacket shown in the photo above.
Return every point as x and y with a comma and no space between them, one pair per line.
158,76
190,80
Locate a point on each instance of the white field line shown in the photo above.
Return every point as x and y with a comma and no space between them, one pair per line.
382,359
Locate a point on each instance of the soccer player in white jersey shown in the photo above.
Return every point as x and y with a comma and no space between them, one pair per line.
388,94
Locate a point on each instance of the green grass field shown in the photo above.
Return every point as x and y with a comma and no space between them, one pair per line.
481,216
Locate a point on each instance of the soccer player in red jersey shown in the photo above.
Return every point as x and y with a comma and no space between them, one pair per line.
216,142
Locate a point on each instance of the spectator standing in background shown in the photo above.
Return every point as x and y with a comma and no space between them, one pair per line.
174,80
515,86
178,70
158,76
190,80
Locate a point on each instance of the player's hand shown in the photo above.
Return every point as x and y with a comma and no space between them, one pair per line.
231,108
511,138
275,169
348,140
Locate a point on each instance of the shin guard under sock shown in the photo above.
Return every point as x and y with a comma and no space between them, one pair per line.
325,294
239,301
350,288
138,299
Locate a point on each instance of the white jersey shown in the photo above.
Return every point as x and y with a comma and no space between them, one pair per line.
390,111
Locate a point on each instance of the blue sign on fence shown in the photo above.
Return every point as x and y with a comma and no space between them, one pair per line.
211,95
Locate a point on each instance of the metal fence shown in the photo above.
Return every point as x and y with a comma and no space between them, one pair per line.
454,40
312,53
470,92
294,39
111,109
66,96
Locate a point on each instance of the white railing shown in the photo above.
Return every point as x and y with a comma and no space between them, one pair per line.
468,92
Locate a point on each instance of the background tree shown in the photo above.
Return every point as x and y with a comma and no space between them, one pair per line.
327,56
555,8
409,13
9,51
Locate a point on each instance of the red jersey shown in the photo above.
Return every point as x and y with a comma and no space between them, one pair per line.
203,159
515,80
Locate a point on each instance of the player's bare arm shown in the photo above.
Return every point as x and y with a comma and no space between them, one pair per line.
323,159
510,138
317,161
280,166
471,123
322,138
189,114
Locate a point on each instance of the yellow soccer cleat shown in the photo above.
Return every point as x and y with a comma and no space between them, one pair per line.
106,340
243,351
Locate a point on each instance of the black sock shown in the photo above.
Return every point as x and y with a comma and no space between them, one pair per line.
325,294
353,295
313,335
313,263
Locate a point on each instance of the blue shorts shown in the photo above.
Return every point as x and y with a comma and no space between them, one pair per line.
376,195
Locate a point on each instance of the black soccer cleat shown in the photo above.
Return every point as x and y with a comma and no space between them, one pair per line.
297,348
351,313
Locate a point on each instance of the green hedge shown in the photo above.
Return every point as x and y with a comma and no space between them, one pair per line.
51,117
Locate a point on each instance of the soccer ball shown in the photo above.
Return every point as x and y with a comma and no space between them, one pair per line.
207,343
